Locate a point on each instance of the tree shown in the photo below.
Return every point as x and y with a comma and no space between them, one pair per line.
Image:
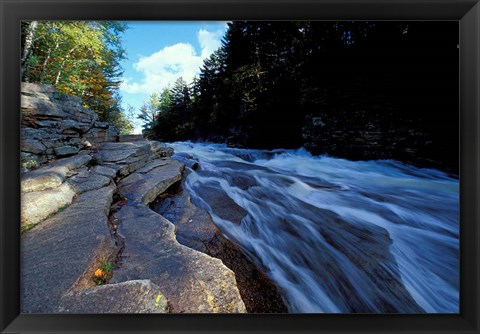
28,29
173,118
323,85
81,58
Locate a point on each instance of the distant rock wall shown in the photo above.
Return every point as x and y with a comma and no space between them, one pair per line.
55,125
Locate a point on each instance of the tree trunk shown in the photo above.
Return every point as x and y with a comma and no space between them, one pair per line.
27,47
44,66
57,79
47,59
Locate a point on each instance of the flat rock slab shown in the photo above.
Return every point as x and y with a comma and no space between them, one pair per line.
77,161
63,251
41,108
38,205
66,150
146,186
105,171
86,180
123,152
194,226
32,146
42,179
138,296
44,191
126,157
52,175
130,138
154,164
193,282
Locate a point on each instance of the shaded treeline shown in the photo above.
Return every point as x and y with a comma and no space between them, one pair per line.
359,90
80,58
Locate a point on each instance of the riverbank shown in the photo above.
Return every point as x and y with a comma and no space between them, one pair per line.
90,242
105,251
196,229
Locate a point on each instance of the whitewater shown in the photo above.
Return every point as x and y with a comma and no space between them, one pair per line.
336,236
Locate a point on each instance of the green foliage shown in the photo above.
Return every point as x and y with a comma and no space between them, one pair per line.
63,208
29,164
103,273
257,88
27,227
80,58
106,266
168,116
156,104
322,85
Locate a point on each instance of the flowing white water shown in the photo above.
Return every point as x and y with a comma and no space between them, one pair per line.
336,235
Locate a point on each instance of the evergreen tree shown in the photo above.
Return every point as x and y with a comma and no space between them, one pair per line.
341,88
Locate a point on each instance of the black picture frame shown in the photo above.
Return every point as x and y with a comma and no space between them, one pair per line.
467,12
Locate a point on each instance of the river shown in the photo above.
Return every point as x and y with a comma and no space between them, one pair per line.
336,236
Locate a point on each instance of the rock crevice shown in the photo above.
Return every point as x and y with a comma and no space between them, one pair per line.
84,212
69,242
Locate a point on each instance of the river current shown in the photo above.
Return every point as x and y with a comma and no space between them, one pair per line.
336,236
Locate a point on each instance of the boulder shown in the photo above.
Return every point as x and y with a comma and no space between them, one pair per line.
137,296
154,164
32,146
146,186
30,161
29,88
78,127
44,191
123,152
38,205
39,134
160,149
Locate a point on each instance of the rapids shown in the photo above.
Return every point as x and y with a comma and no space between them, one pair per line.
336,236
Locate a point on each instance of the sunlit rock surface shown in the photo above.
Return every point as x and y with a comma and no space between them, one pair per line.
82,212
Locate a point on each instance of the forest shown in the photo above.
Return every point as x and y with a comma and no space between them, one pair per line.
81,58
358,90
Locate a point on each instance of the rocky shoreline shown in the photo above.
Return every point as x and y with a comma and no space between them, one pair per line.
196,229
62,252
90,242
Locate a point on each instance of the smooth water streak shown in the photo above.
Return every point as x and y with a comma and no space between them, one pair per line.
335,235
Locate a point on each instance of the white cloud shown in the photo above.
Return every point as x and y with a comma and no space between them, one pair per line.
163,67
209,41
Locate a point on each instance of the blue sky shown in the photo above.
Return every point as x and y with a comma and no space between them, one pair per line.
160,52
